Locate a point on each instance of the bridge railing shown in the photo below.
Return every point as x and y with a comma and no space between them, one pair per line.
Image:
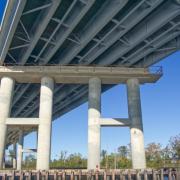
149,174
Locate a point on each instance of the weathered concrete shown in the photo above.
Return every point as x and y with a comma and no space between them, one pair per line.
45,118
115,122
79,74
94,113
136,129
7,85
20,150
22,121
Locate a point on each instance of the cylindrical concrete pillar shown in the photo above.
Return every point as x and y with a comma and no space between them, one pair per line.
94,113
6,93
20,150
14,162
136,128
45,116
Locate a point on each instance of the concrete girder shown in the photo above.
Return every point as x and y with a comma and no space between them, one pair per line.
103,16
78,74
156,20
12,16
127,22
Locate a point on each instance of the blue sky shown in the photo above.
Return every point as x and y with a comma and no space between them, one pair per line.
2,6
160,108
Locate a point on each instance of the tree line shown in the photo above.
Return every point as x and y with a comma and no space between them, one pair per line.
156,157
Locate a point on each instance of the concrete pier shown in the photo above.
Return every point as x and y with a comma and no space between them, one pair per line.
94,77
136,128
20,150
94,112
14,160
45,118
7,85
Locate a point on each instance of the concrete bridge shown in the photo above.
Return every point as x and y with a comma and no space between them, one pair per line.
35,34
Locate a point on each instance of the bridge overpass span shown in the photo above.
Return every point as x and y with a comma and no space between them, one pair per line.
123,33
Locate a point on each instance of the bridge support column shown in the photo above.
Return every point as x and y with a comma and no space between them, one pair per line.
136,128
20,150
94,112
14,160
7,85
45,117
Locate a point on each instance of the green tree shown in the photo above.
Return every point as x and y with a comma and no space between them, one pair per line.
174,144
154,155
30,162
123,151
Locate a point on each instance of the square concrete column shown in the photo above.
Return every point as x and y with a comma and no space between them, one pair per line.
94,113
45,116
20,150
6,94
136,128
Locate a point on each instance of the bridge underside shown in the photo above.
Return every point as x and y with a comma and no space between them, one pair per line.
94,77
126,33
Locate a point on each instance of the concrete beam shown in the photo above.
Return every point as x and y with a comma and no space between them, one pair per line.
22,121
115,122
78,74
29,150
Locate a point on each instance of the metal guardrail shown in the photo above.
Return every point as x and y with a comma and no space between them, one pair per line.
162,174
